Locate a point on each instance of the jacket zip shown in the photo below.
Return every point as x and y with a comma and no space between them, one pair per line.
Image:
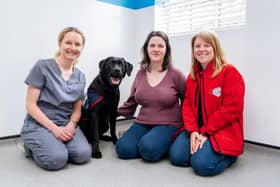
196,89
204,99
205,112
195,96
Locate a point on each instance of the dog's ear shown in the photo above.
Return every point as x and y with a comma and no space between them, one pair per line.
128,67
102,63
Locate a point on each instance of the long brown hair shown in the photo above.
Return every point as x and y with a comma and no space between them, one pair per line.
145,62
63,33
219,60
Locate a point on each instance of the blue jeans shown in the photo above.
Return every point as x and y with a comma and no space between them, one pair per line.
204,162
148,142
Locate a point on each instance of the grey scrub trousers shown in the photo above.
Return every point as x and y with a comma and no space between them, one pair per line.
56,100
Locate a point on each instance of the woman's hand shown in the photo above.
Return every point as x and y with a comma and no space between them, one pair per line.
194,142
71,127
197,141
32,97
62,133
201,139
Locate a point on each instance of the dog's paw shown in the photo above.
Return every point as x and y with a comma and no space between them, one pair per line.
114,140
97,155
95,151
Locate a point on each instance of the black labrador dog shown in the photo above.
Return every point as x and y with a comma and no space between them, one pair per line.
99,111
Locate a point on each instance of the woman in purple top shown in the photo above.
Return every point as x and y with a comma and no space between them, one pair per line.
159,89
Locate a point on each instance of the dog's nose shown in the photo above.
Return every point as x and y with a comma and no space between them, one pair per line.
117,70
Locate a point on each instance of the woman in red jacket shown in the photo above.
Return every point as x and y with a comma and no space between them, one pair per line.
212,136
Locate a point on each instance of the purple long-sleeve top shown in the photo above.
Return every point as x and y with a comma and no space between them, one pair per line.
161,104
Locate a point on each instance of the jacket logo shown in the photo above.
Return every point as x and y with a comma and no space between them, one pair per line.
217,91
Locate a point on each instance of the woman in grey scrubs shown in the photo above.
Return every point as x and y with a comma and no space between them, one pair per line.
54,99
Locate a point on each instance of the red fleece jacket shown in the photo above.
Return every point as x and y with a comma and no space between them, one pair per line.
222,100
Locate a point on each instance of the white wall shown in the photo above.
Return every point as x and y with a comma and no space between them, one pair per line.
29,32
253,50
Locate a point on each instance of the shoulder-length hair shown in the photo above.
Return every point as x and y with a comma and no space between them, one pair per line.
145,62
219,60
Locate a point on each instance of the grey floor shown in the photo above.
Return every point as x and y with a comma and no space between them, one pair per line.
258,166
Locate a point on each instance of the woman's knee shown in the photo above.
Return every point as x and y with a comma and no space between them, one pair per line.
126,146
206,162
178,156
156,144
52,160
201,165
179,153
149,151
81,156
208,165
126,149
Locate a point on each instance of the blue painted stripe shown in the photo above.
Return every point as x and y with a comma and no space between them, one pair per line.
132,4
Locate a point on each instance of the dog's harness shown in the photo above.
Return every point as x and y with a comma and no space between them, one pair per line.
93,98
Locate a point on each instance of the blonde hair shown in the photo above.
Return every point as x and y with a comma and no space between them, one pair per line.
61,37
219,60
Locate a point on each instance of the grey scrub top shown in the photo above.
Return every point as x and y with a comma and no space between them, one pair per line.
57,96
